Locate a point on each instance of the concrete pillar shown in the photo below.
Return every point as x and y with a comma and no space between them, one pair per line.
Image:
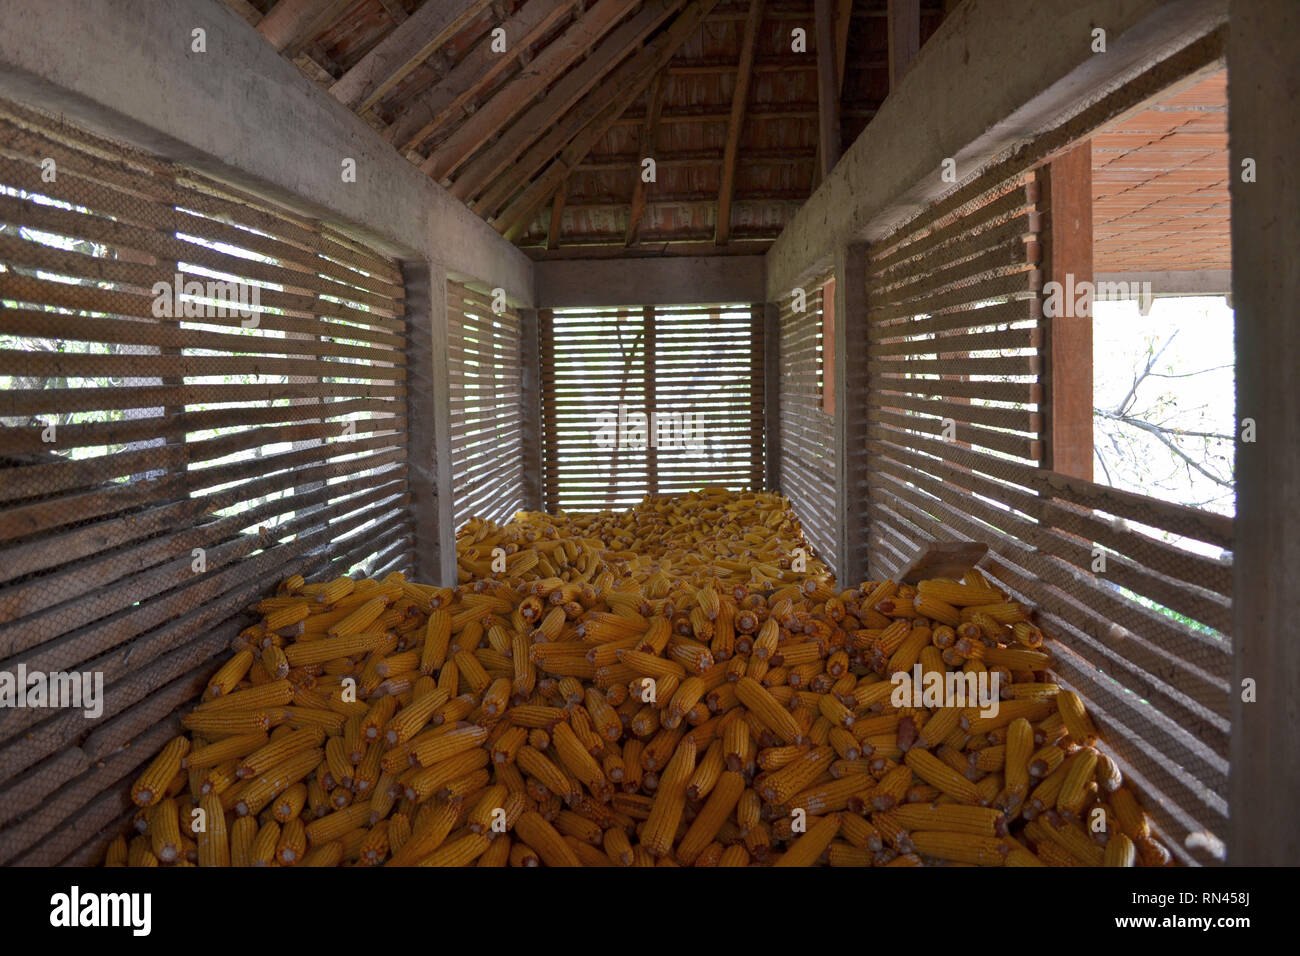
850,358
1264,127
429,423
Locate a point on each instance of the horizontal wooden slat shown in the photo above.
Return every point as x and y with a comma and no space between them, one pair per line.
1008,443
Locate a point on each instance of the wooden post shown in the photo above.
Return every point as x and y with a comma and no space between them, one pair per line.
531,398
652,436
904,28
850,385
1264,127
550,446
829,350
429,422
1066,197
739,104
828,88
772,392
649,140
757,385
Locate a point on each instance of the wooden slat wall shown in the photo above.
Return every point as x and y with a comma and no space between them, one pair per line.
954,333
486,367
808,452
275,449
699,361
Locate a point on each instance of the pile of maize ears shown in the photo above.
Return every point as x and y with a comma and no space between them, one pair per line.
657,687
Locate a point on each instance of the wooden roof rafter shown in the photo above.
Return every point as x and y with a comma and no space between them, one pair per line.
545,138
501,112
736,122
604,105
649,136
526,143
413,42
475,73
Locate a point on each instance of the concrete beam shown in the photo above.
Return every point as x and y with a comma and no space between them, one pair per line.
682,280
1264,126
996,73
1168,282
243,114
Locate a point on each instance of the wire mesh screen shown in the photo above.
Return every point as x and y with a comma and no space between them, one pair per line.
1136,611
486,371
807,432
202,394
649,400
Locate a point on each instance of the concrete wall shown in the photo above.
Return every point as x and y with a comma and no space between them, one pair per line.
996,73
681,280
241,113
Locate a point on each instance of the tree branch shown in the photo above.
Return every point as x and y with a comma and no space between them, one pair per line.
1163,438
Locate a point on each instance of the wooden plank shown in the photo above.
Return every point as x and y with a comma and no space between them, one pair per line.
598,112
843,22
413,42
942,559
291,22
649,135
1067,201
1021,446
828,99
739,105
251,15
493,116
904,30
477,70
395,10
39,323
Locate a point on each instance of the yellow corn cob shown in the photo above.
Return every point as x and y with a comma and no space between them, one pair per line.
271,754
336,590
1074,789
545,840
958,595
165,831
669,802
810,846
938,774
263,849
270,694
951,817
1120,851
1076,720
258,791
765,707
292,845
230,674
150,786
961,847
